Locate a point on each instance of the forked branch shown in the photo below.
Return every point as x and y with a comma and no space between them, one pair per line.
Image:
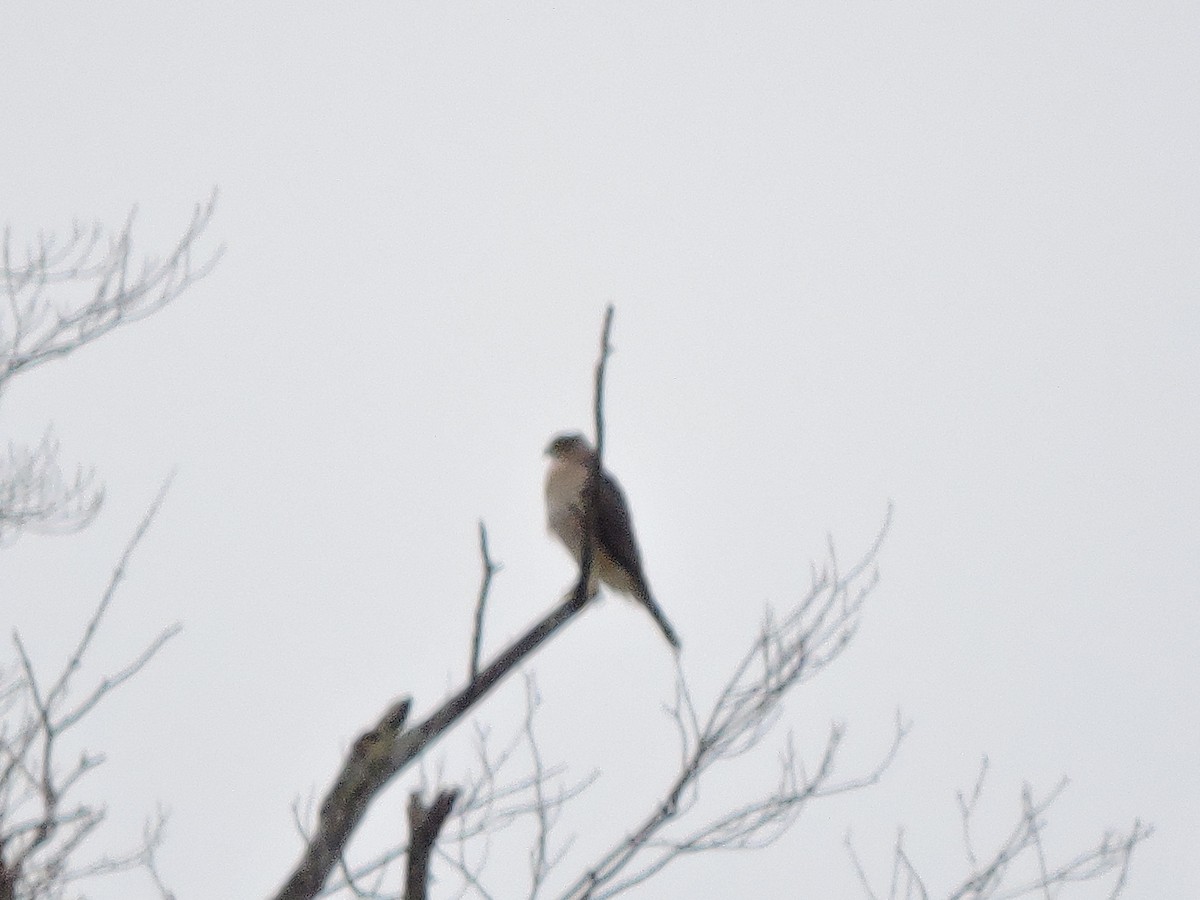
110,288
388,749
1022,852
785,654
41,826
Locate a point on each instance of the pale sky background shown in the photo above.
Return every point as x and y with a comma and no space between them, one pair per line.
944,254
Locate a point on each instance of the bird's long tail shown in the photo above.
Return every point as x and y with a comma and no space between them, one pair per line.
667,630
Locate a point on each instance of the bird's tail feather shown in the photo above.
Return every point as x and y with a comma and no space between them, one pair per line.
667,630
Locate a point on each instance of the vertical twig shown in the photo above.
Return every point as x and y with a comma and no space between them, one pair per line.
1035,837
601,365
966,808
856,863
538,861
489,569
1136,834
592,489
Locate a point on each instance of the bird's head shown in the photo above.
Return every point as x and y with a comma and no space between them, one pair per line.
570,446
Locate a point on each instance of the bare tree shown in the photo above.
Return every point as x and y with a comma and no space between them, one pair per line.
790,649
786,653
59,296
62,295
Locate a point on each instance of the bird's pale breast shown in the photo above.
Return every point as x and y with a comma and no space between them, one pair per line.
564,503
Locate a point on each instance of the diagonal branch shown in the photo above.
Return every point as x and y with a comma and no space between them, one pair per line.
89,633
385,751
41,830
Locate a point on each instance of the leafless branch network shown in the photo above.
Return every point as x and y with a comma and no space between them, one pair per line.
98,287
538,797
59,295
509,785
36,494
786,653
991,878
1019,866
42,827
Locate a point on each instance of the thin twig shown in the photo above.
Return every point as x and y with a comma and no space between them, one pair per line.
538,863
489,570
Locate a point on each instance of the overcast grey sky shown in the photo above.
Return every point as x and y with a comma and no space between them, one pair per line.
942,254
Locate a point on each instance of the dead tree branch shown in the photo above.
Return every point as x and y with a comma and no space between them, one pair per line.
424,825
385,751
490,801
785,654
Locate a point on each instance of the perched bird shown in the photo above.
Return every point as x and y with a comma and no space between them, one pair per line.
616,560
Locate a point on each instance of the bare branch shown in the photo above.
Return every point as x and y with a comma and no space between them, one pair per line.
1137,834
591,490
1033,827
538,861
489,570
35,330
912,878
785,654
152,837
391,751
383,752
61,685
601,365
488,803
424,824
966,809
40,831
470,877
1024,845
858,868
36,494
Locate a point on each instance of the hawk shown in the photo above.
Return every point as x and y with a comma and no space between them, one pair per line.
616,560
